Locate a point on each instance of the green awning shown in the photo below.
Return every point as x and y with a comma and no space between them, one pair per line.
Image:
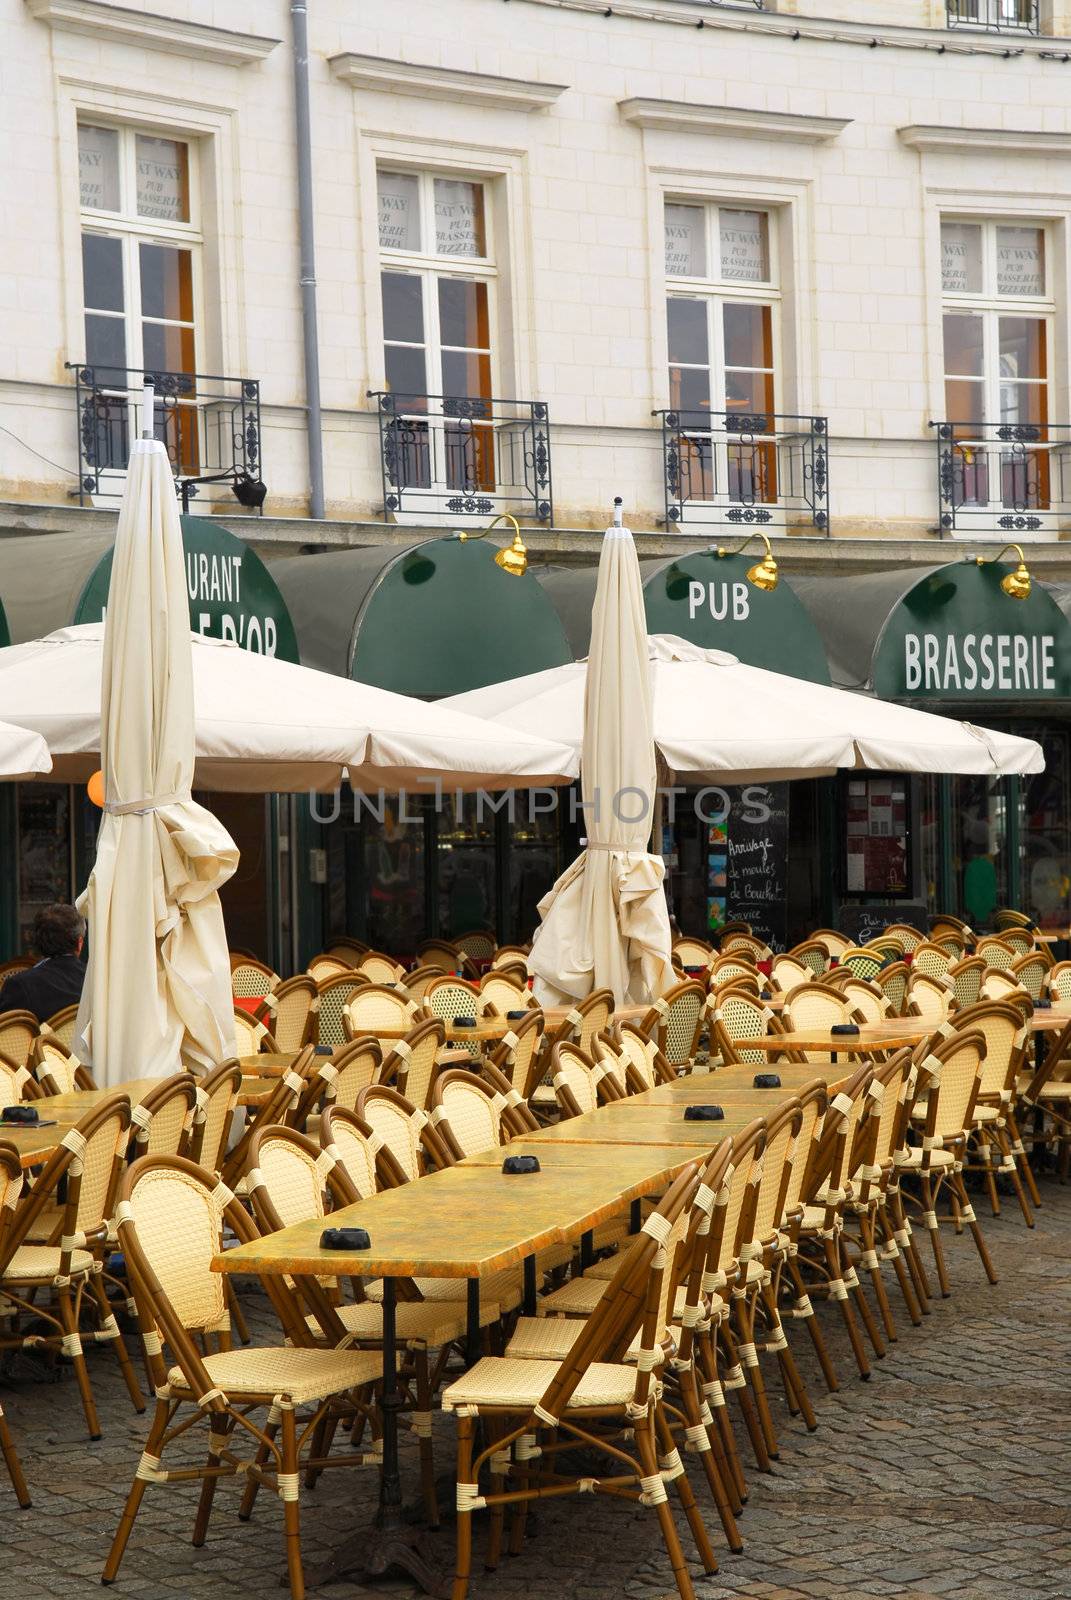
51,580
435,619
708,600
950,634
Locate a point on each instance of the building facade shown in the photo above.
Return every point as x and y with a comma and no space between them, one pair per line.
798,267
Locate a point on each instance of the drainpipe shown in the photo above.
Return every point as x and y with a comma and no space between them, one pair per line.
313,426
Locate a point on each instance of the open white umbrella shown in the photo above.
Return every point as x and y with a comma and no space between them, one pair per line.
605,922
718,721
23,754
157,992
262,725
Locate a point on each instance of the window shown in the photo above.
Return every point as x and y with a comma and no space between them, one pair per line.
721,312
998,331
438,284
140,270
997,16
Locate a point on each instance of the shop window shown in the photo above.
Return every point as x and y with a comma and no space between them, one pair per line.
141,261
999,312
876,855
979,846
466,882
1045,831
44,851
534,846
721,312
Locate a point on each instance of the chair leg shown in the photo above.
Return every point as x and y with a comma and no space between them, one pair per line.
701,1440
714,1396
851,1278
1010,1167
791,1376
216,1445
871,1263
463,1564
136,1495
968,1216
422,1427
903,1275
985,1153
237,1315
839,1292
263,1456
929,1217
1019,1151
110,1328
805,1311
672,1468
645,1449
288,1487
72,1346
905,1238
755,1390
13,1464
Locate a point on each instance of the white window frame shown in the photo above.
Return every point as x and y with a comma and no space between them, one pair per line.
991,306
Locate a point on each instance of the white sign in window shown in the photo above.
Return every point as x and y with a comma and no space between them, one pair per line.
961,258
399,211
686,253
98,168
459,218
163,180
1021,261
744,256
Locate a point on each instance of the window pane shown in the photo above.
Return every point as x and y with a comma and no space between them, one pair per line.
686,245
687,326
961,258
463,316
1021,261
403,307
1023,402
749,393
106,348
689,391
102,272
964,352
166,282
399,211
166,348
748,336
405,372
465,374
1022,347
965,403
98,168
745,256
459,218
163,179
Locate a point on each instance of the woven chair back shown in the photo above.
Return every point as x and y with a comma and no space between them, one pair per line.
638,1053
731,969
250,1036
996,953
1060,981
16,1082
213,1117
417,981
757,949
862,963
347,949
930,998
61,1026
398,1124
813,1099
296,1006
894,1078
694,952
595,1011
951,1099
1020,939
967,976
502,995
1001,985
251,979
351,1069
679,1015
813,954
287,1178
412,1063
580,1084
379,968
518,1056
739,1014
866,998
835,943
907,937
508,955
742,1183
18,1030
176,1215
815,1007
355,1146
55,1067
479,945
1006,1036
1032,970
787,973
325,966
466,1113
373,1010
782,1133
162,1124
932,959
441,954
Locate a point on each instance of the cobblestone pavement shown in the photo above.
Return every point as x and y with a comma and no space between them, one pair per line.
948,1474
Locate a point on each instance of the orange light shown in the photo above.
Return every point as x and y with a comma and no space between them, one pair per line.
95,788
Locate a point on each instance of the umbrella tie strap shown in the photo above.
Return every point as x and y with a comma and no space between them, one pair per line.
142,808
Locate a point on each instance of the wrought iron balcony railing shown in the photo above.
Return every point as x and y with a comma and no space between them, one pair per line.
1003,477
745,468
210,426
464,455
995,16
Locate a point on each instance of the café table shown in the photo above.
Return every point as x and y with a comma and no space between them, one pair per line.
467,1222
871,1039
484,1030
554,1016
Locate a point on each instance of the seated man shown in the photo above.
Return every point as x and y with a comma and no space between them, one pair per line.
58,935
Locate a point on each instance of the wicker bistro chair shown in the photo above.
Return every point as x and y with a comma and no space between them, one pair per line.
932,959
907,937
994,1133
500,994
279,1106
835,943
16,1083
1019,935
871,1003
1032,971
633,1059
250,1036
813,954
818,1007
213,1116
518,1056
738,941
1046,1094
931,998
56,1069
733,969
999,984
379,968
509,955
410,1064
448,998
335,992
297,1003
252,979
56,1283
10,1190
862,962
288,1181
787,973
61,1026
675,1021
1059,981
329,966
347,949
950,1076
375,1007
694,952
581,1084
440,953
967,976
469,1115
592,1388
170,1221
18,1030
162,1124
996,952
407,1132
736,1013
479,945
338,1080
15,964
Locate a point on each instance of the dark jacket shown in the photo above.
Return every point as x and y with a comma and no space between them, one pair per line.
45,989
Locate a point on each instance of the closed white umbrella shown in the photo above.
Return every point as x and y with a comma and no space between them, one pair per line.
264,726
23,754
718,721
157,992
605,922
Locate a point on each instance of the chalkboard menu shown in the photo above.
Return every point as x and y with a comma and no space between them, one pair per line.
747,863
863,923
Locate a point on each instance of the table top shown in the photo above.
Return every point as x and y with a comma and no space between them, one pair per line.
34,1145
621,1124
485,1028
556,1015
727,1083
657,1163
871,1038
464,1222
269,1064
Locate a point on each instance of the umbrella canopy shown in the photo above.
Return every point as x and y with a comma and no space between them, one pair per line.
605,922
157,992
718,721
264,726
23,754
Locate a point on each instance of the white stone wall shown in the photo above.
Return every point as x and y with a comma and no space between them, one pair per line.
578,191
